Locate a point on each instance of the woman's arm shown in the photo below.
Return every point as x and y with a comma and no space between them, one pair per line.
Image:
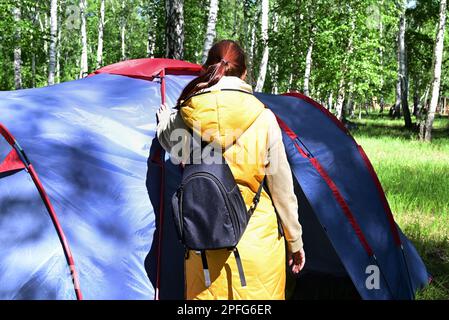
171,131
280,183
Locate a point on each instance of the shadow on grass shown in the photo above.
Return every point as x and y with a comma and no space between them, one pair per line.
435,254
382,126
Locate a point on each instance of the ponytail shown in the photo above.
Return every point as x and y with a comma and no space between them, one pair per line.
225,58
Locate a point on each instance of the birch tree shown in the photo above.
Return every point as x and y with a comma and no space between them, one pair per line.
53,41
264,62
210,31
58,54
339,107
123,31
426,134
312,30
308,68
402,83
152,23
83,63
17,49
100,35
174,33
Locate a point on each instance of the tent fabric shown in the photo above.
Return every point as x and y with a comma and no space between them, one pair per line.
337,154
92,142
89,141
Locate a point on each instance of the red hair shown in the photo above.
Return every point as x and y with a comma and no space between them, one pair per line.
225,58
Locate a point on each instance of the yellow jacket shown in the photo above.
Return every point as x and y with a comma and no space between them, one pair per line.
231,117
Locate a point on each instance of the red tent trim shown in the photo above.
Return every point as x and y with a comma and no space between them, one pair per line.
369,166
11,163
148,68
332,186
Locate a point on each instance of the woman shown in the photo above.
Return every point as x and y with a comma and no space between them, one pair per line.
220,106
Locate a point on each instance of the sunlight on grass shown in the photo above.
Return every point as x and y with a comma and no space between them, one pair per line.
415,177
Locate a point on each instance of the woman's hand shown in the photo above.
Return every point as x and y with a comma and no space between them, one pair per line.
162,112
296,261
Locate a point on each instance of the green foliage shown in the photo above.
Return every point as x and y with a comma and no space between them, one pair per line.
353,40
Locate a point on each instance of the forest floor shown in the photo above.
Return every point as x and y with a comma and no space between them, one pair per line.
415,177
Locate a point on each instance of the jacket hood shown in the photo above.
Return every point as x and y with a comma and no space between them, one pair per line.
222,112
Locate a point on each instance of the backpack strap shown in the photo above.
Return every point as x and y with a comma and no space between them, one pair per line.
256,198
205,268
239,267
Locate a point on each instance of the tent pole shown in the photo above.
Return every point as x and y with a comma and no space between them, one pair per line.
161,204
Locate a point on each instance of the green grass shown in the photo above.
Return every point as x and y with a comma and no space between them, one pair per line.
415,177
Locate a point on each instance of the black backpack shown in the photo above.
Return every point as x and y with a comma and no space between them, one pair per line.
209,211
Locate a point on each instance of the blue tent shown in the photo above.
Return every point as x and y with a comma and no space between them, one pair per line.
85,205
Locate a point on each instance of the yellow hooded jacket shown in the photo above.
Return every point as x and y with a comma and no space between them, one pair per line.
237,121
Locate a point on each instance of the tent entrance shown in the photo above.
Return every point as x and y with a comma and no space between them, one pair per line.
323,276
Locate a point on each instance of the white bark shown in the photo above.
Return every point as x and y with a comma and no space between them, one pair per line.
123,33
210,31
438,58
174,10
151,41
53,41
339,107
340,99
251,54
402,82
100,35
58,55
17,50
264,62
274,66
308,67
83,63
330,101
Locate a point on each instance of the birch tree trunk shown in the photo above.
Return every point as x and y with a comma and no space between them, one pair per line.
274,66
100,35
402,84
310,12
250,73
174,33
53,41
33,70
330,101
381,58
83,63
248,37
210,31
340,99
308,66
123,32
264,62
17,49
438,58
152,23
58,54
151,42
339,107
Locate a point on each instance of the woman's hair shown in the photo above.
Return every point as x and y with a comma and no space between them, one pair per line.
225,58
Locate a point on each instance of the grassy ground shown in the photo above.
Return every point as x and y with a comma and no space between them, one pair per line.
415,177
